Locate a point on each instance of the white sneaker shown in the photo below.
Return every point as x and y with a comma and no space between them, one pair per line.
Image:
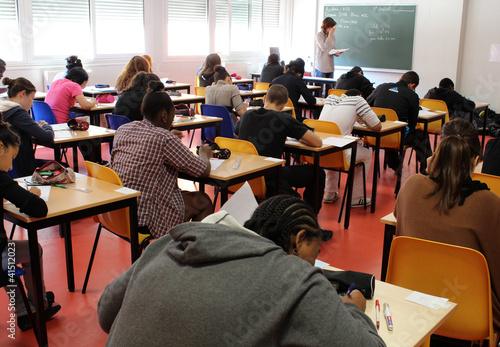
360,202
330,197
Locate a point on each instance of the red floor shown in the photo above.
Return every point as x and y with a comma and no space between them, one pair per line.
357,248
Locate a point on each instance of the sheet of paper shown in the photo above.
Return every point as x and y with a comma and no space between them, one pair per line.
359,124
45,192
399,122
334,51
125,190
431,301
273,159
426,113
215,163
182,118
289,140
339,141
320,264
242,204
424,108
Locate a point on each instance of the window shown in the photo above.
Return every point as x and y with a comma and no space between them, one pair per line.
11,48
187,27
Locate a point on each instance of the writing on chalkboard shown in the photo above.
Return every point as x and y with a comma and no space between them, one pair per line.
378,36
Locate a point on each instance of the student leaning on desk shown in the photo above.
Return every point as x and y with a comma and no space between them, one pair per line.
216,283
30,203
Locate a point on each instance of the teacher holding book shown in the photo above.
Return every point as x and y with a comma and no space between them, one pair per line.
325,42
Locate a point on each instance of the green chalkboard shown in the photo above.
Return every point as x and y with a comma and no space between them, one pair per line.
378,36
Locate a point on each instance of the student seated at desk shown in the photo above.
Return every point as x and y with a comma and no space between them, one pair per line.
224,93
15,111
267,128
130,101
147,157
354,79
133,67
216,283
345,111
207,71
447,206
272,69
30,203
71,62
458,106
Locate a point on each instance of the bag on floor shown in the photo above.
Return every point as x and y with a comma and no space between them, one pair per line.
53,172
341,280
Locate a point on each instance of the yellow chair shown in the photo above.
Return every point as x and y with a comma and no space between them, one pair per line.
492,181
117,221
434,127
200,91
258,185
457,273
196,81
335,161
261,86
338,92
289,103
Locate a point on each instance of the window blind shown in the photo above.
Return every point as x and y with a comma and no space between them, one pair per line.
60,10
127,10
8,10
271,13
187,11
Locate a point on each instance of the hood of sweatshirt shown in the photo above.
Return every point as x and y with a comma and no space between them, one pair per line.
6,105
217,239
440,92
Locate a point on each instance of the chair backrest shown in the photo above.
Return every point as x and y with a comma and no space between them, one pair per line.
115,221
335,160
388,141
457,273
200,91
42,111
196,81
115,120
261,86
437,105
289,103
337,92
492,181
226,125
258,185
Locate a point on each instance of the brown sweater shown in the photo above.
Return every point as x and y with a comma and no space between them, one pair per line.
475,224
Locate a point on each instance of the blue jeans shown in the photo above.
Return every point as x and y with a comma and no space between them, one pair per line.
327,86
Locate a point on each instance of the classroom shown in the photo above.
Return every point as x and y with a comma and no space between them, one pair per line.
457,39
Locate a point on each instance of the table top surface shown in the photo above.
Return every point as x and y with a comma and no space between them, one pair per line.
98,91
62,201
197,119
413,323
480,105
98,107
428,114
323,136
389,219
187,98
242,80
176,85
64,134
386,126
254,92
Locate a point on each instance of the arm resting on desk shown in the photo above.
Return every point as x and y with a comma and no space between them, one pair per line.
311,139
84,103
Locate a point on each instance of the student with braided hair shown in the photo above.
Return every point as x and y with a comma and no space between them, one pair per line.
220,284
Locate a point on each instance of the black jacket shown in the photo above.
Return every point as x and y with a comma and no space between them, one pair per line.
458,106
353,80
129,103
206,80
296,87
270,72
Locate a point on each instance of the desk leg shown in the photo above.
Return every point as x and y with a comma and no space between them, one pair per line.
70,274
189,89
376,167
217,129
389,232
36,274
57,153
75,158
134,230
400,166
223,195
349,186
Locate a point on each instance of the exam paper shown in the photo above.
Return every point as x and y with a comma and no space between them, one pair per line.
215,163
320,264
339,141
242,204
431,301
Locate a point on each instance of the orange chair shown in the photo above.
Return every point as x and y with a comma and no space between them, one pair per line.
434,127
261,86
117,221
289,103
200,91
196,81
432,267
338,92
258,185
335,161
492,181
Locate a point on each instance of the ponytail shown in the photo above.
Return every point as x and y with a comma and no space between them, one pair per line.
17,85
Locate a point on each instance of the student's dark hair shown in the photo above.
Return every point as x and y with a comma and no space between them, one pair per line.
141,80
2,65
453,161
328,22
281,216
296,66
446,83
277,94
220,73
211,61
17,85
411,77
353,92
73,61
156,101
7,136
77,75
273,59
357,69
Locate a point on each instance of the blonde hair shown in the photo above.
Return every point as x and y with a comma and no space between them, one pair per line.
135,65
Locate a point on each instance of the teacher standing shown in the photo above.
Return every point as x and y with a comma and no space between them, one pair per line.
325,42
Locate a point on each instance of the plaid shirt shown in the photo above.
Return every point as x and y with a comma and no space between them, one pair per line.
147,159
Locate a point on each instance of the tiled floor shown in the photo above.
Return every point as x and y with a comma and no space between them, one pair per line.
357,248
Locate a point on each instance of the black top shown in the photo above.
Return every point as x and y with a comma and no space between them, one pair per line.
268,130
129,103
398,97
206,79
270,72
491,159
27,203
27,128
456,103
296,87
353,80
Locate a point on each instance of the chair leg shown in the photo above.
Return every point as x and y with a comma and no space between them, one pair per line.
364,184
216,194
409,159
435,141
343,200
192,137
91,261
26,302
12,231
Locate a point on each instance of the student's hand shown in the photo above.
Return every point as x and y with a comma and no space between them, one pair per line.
42,123
355,298
338,53
35,191
177,133
205,150
93,101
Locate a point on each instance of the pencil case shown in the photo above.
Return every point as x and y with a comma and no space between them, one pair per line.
53,172
341,280
78,124
105,99
100,85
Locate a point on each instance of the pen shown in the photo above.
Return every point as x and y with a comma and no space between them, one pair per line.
351,288
388,317
377,311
